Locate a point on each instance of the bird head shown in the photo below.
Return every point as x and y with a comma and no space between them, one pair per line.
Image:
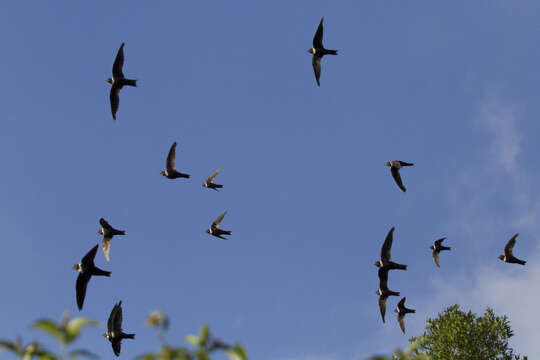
76,267
432,247
388,163
100,232
109,80
205,185
377,264
501,257
396,310
311,51
208,231
163,173
105,335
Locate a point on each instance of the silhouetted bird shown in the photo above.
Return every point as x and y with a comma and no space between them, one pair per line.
319,51
86,270
437,247
171,172
215,230
118,81
108,232
210,181
114,329
509,252
401,311
383,291
386,257
395,165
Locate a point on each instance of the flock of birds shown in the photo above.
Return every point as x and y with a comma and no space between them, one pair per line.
86,268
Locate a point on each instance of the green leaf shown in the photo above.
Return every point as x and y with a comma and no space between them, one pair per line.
233,355
82,353
240,351
204,335
192,339
50,328
202,355
74,327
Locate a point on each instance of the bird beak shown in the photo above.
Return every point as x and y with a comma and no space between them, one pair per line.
75,267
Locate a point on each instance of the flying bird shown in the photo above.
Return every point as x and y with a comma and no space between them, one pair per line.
509,252
395,165
401,310
108,232
215,230
170,171
86,270
386,257
209,183
114,329
383,291
437,247
118,81
319,51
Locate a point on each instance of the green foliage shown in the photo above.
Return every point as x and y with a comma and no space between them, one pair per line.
457,335
410,353
66,331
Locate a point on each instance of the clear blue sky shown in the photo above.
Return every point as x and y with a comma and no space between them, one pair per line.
452,87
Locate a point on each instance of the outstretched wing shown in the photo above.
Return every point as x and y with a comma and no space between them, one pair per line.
382,306
80,288
171,159
397,178
104,224
117,317
439,242
88,259
118,63
316,62
317,39
387,247
114,97
116,346
508,249
436,258
218,220
211,178
401,303
401,321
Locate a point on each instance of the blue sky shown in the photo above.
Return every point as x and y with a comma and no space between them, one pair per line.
451,87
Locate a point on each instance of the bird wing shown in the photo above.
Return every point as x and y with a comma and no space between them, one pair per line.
401,321
104,224
386,255
316,62
508,249
114,97
382,306
80,288
397,178
116,346
118,63
88,259
439,242
436,258
211,178
218,220
106,246
117,318
317,39
401,303
171,159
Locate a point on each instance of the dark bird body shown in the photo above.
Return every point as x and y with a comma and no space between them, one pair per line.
170,172
319,51
509,252
108,232
386,257
114,329
215,230
383,291
401,310
86,270
437,247
395,165
118,81
209,183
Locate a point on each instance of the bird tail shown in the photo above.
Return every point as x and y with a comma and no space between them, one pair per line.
521,262
393,293
99,272
403,163
128,336
446,248
410,311
218,186
185,176
400,267
130,82
226,232
119,232
331,52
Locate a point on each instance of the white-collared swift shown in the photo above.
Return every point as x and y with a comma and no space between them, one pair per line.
395,165
86,270
319,51
114,332
170,171
118,81
108,232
